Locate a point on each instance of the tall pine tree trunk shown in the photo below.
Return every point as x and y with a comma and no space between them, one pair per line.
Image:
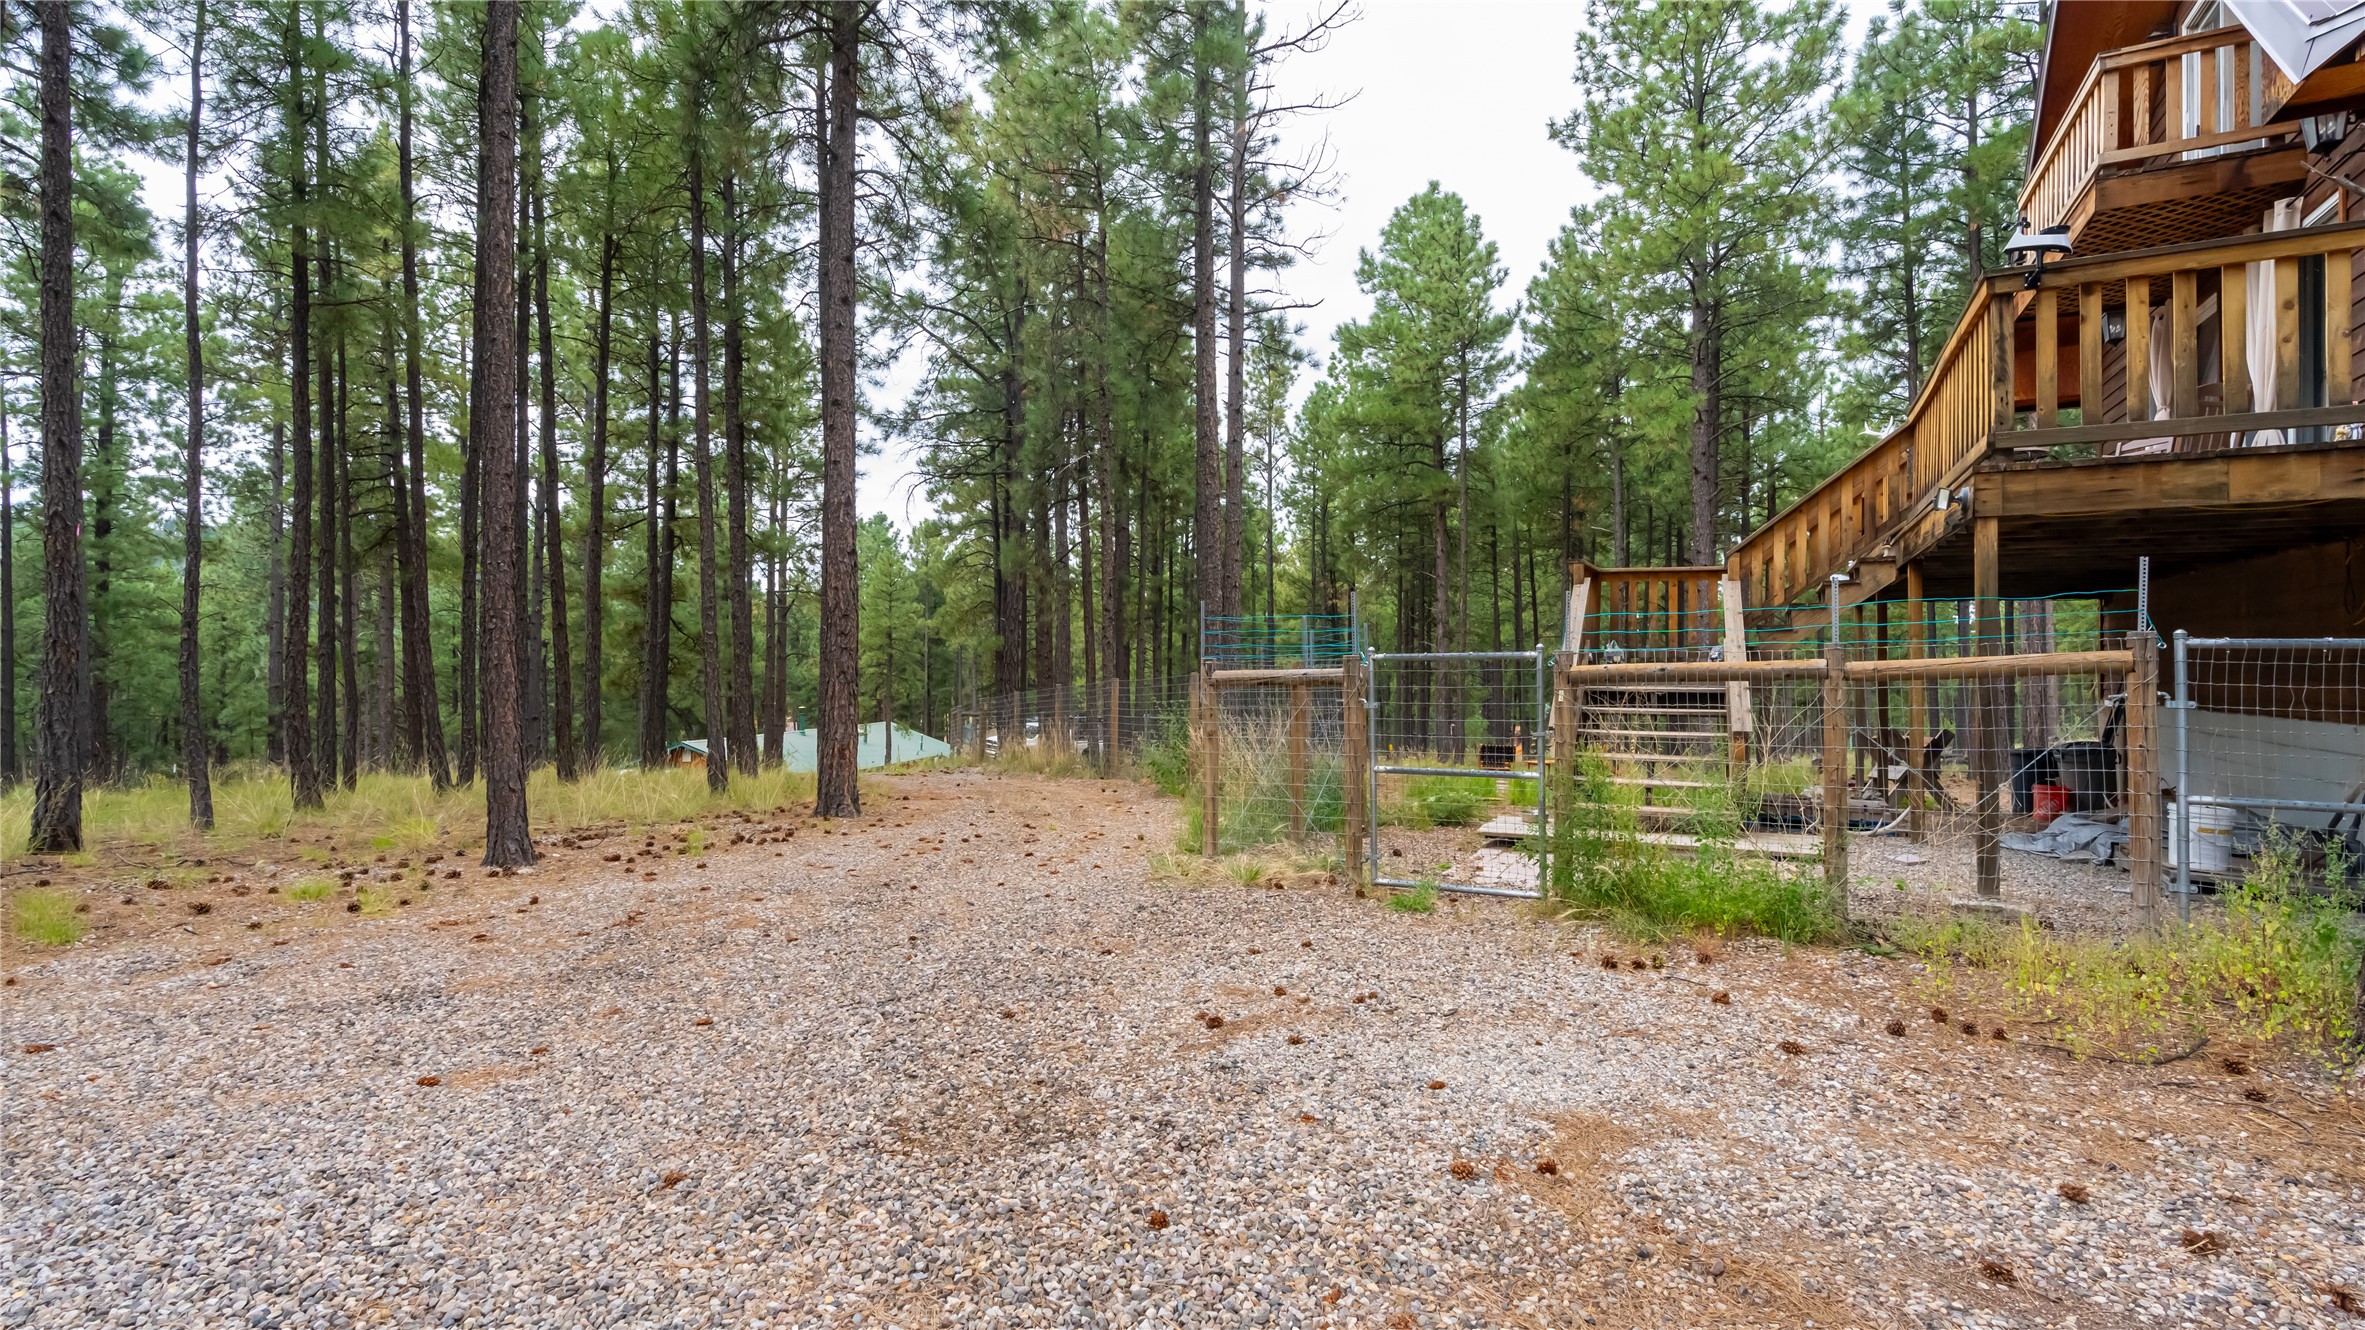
836,792
562,666
350,766
422,704
9,771
194,753
296,721
741,724
1706,337
657,602
1207,517
595,478
710,667
508,841
1236,317
57,757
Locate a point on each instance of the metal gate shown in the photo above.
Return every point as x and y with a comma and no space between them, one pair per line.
1455,792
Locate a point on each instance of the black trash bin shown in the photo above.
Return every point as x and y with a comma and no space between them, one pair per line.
2031,767
2090,770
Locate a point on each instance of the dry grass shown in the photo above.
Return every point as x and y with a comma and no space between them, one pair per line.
389,812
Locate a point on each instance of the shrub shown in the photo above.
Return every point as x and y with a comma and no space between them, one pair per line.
45,918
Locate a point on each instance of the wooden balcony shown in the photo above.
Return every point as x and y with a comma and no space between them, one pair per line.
2142,159
2107,370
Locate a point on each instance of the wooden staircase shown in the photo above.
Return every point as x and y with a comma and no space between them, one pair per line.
1867,578
1664,738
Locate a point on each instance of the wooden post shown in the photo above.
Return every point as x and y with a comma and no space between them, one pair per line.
2286,334
2233,337
1917,703
1567,706
1835,770
2339,385
2090,353
2184,343
2048,358
1740,718
2140,388
1987,705
2143,776
1207,704
1354,767
1301,719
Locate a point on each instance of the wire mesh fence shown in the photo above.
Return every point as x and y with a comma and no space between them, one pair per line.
1902,775
1277,641
1457,744
1104,725
1272,767
2263,761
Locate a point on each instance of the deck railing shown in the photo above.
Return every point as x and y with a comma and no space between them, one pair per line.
2132,107
1852,514
2082,339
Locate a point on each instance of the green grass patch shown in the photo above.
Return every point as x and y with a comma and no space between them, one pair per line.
2278,962
1416,900
45,917
312,889
1602,867
1421,802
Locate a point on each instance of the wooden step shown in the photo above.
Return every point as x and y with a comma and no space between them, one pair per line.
1754,844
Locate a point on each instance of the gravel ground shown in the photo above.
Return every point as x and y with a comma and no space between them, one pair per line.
904,1078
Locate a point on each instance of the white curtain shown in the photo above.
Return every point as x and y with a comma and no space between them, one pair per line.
2259,338
2157,357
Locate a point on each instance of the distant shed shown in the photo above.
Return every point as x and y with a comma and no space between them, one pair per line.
873,749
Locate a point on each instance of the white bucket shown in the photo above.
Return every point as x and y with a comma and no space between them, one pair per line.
2213,837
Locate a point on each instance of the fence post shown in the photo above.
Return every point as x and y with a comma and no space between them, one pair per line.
2143,775
1352,760
1989,696
1835,770
1301,719
1920,780
1211,723
1740,721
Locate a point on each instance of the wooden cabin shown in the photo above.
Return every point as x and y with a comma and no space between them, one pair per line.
2183,384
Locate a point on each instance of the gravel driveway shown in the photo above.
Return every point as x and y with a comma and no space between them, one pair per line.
900,1077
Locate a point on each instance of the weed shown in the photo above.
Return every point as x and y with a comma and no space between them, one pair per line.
1246,869
45,918
1601,866
1418,900
1439,801
2278,962
312,889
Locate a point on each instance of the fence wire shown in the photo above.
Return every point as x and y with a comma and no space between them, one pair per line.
1280,773
1105,725
2263,761
1457,744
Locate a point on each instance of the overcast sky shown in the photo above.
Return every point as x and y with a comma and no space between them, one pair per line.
1461,93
